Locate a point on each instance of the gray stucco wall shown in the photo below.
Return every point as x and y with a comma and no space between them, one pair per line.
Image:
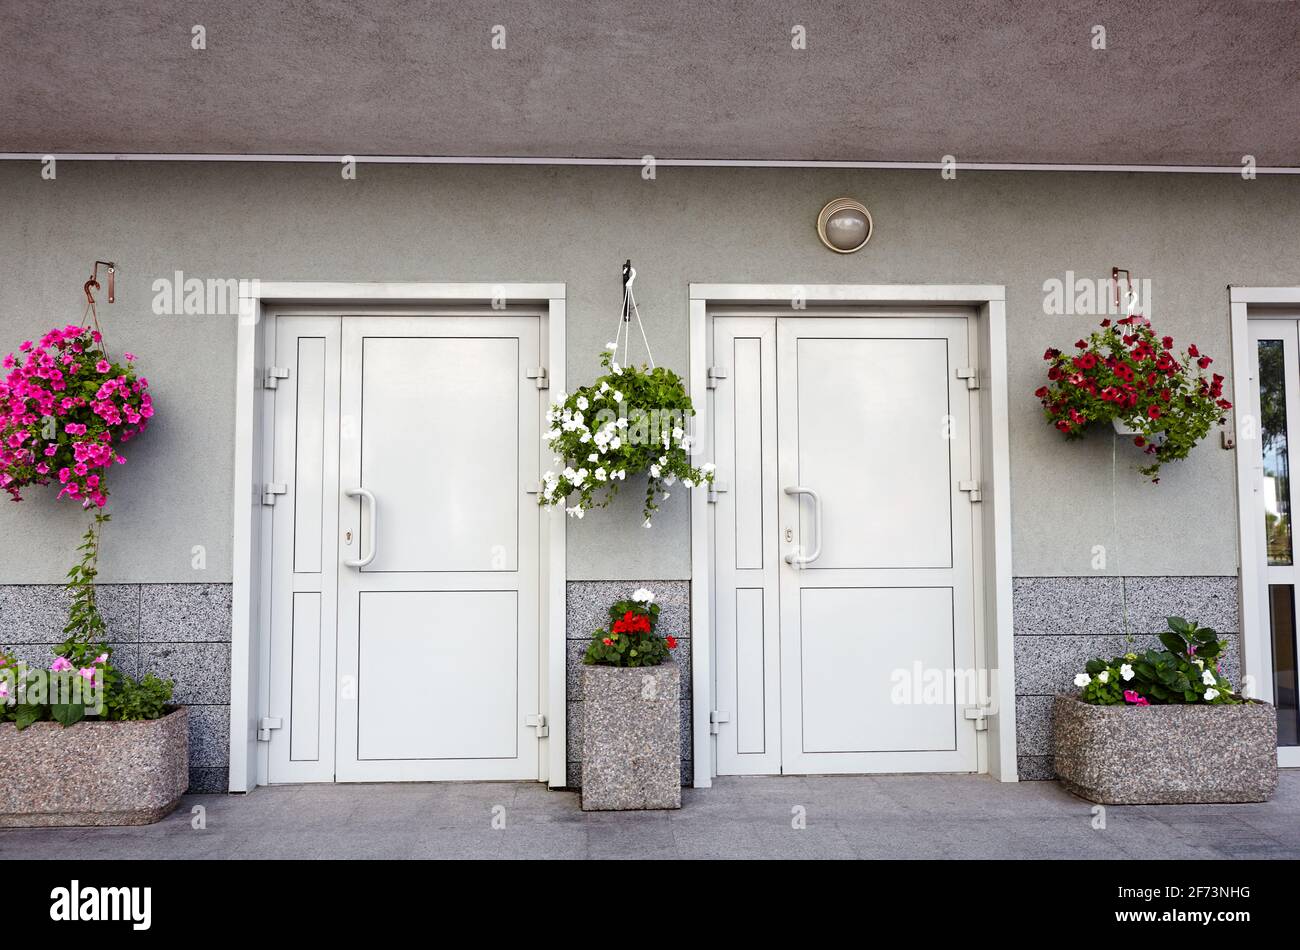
1191,235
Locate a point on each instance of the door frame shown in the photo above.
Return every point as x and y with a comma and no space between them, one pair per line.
249,648
997,745
1247,304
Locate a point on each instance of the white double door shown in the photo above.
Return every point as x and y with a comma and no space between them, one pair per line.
844,613
404,580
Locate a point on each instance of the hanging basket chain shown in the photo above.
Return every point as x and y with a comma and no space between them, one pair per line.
623,330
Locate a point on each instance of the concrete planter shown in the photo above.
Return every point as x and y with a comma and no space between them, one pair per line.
631,737
1155,755
93,773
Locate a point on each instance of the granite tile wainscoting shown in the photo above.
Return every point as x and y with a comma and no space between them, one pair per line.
587,611
180,632
1062,622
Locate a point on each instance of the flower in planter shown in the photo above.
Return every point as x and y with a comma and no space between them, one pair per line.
65,409
1124,372
104,691
629,421
631,639
1176,675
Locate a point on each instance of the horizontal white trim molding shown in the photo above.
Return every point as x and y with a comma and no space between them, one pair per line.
1264,295
663,162
966,294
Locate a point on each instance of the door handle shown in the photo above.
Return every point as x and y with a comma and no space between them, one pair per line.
799,560
365,496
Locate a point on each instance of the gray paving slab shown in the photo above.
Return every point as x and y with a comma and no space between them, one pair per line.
797,817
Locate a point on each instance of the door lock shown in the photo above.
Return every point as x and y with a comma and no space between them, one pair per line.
789,536
347,537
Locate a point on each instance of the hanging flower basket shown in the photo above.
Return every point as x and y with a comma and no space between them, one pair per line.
65,410
1128,376
631,420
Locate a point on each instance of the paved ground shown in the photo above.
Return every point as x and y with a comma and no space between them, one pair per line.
892,816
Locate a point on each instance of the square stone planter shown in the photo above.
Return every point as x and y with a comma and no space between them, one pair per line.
631,737
93,773
1156,755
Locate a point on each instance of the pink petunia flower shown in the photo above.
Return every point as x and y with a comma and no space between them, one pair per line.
60,665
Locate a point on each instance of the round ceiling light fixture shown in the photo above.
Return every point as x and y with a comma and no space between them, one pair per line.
844,225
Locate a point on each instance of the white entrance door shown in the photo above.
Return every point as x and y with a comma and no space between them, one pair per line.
1275,403
845,613
415,656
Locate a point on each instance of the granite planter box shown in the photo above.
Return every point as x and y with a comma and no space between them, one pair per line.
631,742
1157,755
93,773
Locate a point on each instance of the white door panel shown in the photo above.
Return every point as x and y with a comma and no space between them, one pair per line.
424,663
304,521
440,417
437,675
870,415
438,635
871,425
748,686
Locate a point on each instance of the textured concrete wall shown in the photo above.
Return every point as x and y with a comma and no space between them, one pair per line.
1191,235
1062,622
181,632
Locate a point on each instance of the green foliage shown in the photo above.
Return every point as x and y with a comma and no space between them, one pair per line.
631,640
146,698
82,682
629,421
1186,671
85,625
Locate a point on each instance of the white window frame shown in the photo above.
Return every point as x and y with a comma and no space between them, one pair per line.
998,744
1249,304
248,654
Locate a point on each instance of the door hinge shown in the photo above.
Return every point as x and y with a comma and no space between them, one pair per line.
716,719
539,373
538,722
715,373
973,488
971,375
265,725
716,488
270,490
273,376
979,714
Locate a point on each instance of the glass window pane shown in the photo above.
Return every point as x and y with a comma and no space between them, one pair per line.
1281,603
1277,462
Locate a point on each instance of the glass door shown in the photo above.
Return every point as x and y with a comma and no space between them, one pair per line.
1276,397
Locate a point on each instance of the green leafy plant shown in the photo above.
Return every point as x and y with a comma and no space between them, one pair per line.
81,682
1185,672
85,624
1125,372
629,421
631,639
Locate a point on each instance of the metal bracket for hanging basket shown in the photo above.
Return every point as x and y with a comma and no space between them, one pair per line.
94,282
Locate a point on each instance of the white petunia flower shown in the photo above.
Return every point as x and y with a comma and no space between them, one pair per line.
654,471
618,371
615,442
688,483
678,433
1103,676
1211,694
708,467
1208,678
599,473
582,403
646,523
1082,680
575,512
620,474
618,396
604,386
1126,672
593,457
585,437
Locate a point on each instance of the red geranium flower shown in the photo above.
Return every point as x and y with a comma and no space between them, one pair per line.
671,641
